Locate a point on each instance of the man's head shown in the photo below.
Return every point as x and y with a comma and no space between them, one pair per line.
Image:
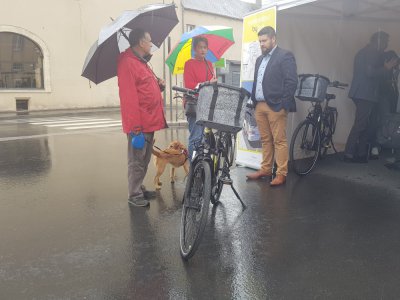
387,56
140,41
380,40
267,39
200,47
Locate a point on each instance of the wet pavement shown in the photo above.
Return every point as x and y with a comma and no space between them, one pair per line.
67,231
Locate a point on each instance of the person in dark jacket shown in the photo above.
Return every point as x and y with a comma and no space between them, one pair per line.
387,104
369,69
275,83
388,88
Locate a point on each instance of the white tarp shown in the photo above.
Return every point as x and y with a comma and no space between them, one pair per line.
326,35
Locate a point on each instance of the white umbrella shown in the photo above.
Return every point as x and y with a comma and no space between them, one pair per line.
102,58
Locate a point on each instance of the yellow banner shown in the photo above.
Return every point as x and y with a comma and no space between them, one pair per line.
253,23
249,142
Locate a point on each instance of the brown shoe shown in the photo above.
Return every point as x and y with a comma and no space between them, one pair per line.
278,180
258,175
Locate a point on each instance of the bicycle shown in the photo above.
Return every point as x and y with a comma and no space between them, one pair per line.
209,172
314,136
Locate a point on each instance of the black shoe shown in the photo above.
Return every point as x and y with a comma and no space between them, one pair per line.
374,157
148,194
348,158
138,201
360,159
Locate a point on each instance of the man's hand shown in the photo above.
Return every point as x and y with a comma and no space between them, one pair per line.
136,132
213,80
161,84
390,64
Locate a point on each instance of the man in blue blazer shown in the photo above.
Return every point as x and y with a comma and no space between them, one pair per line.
369,69
275,83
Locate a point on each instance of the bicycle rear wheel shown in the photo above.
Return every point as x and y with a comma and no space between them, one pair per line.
195,208
305,147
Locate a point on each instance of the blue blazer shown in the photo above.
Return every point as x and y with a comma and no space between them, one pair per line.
280,80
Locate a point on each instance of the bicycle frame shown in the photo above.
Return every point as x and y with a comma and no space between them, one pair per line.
209,150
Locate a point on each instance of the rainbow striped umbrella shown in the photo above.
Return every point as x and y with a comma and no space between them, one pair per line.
220,38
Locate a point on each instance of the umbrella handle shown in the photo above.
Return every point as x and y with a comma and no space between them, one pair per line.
125,36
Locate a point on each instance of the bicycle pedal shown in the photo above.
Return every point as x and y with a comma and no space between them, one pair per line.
226,180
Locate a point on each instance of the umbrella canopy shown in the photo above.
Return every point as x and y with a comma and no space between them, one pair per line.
101,61
220,38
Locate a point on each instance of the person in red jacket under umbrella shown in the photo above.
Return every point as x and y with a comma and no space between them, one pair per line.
141,110
197,70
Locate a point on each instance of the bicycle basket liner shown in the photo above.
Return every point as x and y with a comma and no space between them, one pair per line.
312,87
221,107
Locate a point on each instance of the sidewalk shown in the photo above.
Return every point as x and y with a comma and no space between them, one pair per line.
79,111
56,112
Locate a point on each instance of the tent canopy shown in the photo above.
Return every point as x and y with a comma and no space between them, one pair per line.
325,35
362,10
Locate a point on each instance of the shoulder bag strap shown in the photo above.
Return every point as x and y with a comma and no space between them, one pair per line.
208,69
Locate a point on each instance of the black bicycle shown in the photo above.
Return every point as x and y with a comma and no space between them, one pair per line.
314,136
209,172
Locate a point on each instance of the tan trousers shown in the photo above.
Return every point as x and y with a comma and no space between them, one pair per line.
272,128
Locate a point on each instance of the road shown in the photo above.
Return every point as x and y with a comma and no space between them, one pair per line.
67,231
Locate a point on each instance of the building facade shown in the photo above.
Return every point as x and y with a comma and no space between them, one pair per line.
43,47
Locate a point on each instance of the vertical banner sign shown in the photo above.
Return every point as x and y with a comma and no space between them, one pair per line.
249,143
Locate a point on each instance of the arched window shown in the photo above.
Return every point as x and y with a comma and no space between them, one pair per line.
21,62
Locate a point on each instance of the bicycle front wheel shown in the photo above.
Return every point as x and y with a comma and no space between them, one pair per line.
195,208
304,147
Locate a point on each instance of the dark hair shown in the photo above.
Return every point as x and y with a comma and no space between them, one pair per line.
377,37
136,35
267,30
198,39
388,55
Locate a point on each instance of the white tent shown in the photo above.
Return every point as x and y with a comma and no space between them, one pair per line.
325,35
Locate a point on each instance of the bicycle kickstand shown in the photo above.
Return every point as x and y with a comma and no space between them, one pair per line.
237,196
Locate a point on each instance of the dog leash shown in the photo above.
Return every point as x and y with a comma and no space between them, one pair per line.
154,146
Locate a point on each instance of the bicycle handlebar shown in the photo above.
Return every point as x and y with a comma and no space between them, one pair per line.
184,90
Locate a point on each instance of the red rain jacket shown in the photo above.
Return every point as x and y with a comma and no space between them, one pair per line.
196,72
139,94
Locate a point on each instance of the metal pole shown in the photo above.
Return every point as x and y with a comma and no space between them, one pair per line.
164,92
170,82
176,102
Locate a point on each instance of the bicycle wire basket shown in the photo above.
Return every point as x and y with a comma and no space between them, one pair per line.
312,87
221,106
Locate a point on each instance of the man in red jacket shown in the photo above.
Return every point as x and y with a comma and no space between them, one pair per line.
141,110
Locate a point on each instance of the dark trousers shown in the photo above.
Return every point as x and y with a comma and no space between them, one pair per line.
138,161
360,133
195,135
379,111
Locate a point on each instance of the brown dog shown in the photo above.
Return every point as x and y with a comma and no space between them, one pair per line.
176,155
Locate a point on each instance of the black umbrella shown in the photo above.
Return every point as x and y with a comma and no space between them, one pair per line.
101,61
